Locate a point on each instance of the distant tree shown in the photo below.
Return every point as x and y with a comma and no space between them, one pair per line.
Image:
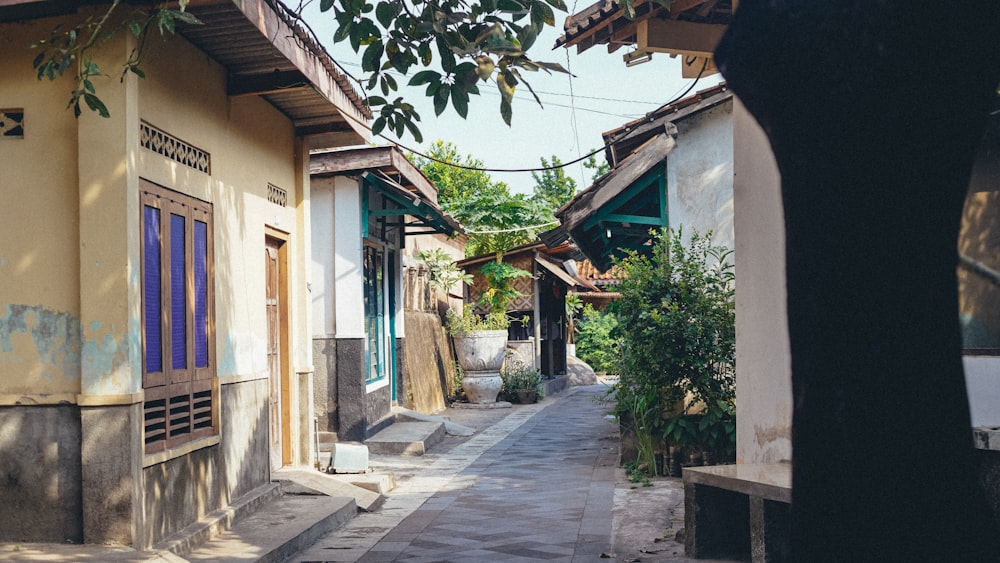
494,218
553,186
456,176
599,169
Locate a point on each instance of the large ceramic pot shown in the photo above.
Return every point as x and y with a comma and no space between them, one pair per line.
480,350
481,354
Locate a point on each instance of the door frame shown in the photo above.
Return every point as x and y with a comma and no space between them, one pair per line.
280,239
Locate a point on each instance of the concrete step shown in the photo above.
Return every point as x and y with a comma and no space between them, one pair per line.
214,523
406,438
278,530
312,482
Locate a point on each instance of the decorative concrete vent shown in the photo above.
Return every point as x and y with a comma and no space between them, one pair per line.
12,123
277,195
165,144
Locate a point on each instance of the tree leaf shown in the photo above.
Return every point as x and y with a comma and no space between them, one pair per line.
460,101
384,14
506,111
95,104
325,5
378,126
372,57
441,99
343,31
424,77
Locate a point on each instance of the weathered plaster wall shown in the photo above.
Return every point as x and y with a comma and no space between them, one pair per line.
40,474
39,232
763,359
700,175
184,489
325,387
70,308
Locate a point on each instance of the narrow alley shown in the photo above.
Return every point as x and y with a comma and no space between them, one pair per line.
537,485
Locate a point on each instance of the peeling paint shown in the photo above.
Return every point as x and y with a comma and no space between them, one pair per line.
46,342
103,355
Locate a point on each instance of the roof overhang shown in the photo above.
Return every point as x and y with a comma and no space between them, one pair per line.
617,213
387,170
687,28
387,159
427,217
269,54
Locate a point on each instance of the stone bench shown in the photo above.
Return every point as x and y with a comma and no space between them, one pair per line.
738,511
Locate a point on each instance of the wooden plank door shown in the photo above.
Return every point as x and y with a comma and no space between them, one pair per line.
273,305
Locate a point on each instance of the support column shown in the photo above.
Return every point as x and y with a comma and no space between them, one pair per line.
110,310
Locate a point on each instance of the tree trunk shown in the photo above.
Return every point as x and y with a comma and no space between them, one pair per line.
874,110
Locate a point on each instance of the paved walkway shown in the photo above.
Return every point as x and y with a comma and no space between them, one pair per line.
538,485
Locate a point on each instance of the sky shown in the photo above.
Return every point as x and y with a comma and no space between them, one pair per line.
602,94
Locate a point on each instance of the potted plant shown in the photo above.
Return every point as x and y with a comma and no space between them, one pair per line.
520,380
480,341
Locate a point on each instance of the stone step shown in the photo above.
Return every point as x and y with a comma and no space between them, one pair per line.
406,438
312,482
278,530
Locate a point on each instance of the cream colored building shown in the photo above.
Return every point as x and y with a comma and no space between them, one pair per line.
155,352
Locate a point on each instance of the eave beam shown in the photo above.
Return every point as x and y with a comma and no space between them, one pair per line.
267,83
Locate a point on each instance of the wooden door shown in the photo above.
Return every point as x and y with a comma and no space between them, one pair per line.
273,305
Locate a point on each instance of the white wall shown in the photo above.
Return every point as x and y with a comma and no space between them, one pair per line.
763,358
700,175
982,379
322,281
348,266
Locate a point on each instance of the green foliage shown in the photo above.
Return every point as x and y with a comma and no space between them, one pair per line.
517,376
595,341
599,169
640,413
676,320
500,291
459,182
468,321
71,48
444,272
553,186
471,42
492,216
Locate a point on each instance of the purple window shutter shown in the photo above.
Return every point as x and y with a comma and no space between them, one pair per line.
151,294
178,297
200,294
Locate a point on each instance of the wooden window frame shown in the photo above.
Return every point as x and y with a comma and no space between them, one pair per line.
180,404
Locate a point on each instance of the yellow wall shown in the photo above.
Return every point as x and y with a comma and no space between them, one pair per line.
69,234
39,253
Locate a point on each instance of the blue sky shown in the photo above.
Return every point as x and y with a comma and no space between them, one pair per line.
602,95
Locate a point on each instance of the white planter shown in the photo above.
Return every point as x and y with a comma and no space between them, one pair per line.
482,387
481,350
481,355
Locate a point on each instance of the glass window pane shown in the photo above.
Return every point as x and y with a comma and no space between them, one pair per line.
178,297
151,294
200,294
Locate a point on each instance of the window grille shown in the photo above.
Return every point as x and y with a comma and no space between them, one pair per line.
167,145
277,195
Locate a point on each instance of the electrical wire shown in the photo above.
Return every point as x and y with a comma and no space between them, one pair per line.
512,230
649,116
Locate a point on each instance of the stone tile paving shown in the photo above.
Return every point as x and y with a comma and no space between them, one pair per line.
537,486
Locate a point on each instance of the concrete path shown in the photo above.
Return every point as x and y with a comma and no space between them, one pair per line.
537,485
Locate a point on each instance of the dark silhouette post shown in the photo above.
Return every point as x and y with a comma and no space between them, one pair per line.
874,110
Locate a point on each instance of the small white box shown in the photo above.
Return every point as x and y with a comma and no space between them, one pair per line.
347,458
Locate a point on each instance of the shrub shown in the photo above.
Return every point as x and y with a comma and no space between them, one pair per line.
594,341
676,321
